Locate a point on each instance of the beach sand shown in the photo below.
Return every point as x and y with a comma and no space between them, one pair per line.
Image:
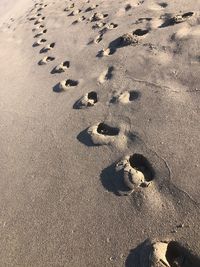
100,143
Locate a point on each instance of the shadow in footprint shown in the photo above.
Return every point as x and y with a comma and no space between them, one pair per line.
85,138
134,95
107,130
177,255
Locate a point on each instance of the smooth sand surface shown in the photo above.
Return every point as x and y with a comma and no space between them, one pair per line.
71,199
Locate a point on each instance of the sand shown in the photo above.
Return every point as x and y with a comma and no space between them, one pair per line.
99,147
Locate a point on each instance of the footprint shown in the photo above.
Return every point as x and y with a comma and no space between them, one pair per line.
79,20
127,39
62,67
41,26
75,12
33,18
105,52
98,16
176,19
39,42
47,48
172,254
45,60
122,41
69,7
40,33
39,20
141,20
163,4
106,75
98,25
128,7
111,26
98,39
65,85
88,100
140,32
125,97
137,171
103,134
91,8
39,9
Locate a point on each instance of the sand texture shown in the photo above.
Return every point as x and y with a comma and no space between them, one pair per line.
100,133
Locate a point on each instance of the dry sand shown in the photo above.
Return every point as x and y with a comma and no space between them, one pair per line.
100,143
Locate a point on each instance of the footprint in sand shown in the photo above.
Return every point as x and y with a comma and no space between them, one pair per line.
39,42
79,20
65,85
45,60
39,21
103,134
32,18
105,52
47,48
41,26
127,7
128,39
137,171
40,33
170,21
163,4
111,26
62,67
141,20
75,12
91,8
125,97
162,254
43,5
98,39
98,25
88,100
106,75
98,16
39,9
69,7
172,254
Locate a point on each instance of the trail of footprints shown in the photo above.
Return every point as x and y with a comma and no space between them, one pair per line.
135,169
